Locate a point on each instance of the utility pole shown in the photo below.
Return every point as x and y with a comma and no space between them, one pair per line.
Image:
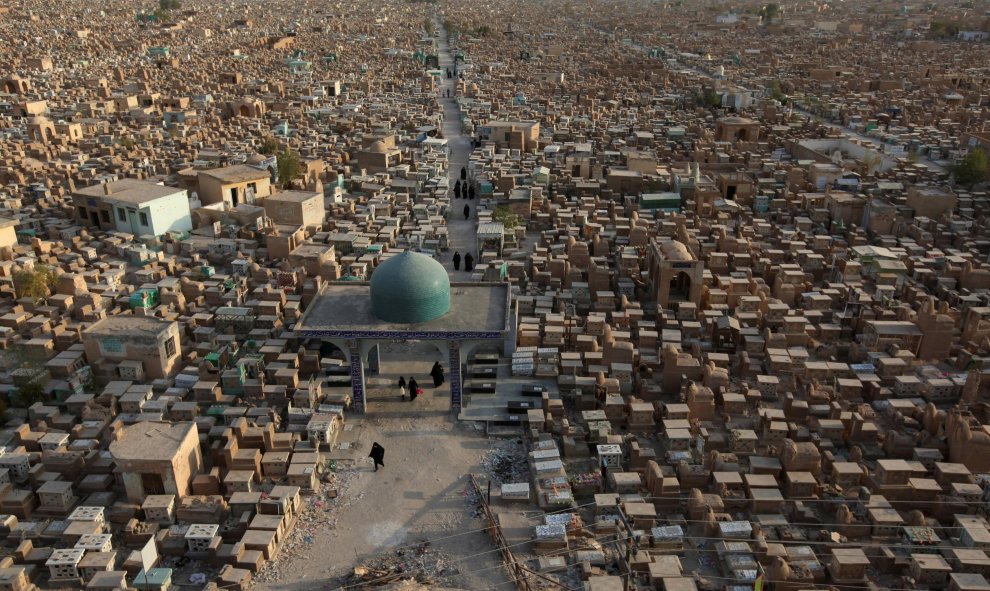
631,542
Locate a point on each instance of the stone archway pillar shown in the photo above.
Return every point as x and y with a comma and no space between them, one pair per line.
456,386
357,375
374,359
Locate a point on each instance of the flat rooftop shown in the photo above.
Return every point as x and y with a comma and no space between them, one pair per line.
294,196
238,173
477,310
129,324
150,441
131,191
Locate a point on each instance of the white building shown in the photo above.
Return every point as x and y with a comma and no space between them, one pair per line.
142,208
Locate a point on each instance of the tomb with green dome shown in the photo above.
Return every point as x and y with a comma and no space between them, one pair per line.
410,288
409,297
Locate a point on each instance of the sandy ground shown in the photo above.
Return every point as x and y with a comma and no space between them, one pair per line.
419,495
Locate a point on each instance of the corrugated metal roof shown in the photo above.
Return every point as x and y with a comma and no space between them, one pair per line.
491,229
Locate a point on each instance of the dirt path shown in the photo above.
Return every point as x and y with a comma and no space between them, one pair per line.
461,232
419,494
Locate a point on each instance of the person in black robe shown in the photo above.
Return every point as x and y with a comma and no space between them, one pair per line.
467,211
463,173
377,454
457,261
437,374
413,389
457,189
468,262
471,192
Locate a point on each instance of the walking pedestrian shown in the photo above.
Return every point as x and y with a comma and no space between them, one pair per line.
457,189
413,389
402,387
378,455
467,211
437,374
457,261
463,173
471,192
468,262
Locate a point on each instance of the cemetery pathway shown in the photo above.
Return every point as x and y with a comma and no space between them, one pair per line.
420,495
461,232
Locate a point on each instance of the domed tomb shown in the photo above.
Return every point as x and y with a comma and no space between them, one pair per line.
410,288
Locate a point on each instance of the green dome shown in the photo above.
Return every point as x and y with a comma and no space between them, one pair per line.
410,288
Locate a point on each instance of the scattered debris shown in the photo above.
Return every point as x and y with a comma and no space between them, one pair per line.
319,514
418,563
506,462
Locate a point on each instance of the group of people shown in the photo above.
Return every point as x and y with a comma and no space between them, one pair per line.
413,389
463,190
468,261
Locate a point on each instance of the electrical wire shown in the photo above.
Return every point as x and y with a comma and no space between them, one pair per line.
512,580
689,538
803,585
844,501
696,538
463,558
430,541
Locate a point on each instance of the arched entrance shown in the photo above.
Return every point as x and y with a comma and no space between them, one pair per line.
387,361
680,287
245,111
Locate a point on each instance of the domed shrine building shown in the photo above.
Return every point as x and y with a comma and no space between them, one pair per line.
410,297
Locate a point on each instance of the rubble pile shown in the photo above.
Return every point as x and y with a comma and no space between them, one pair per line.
419,563
506,462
